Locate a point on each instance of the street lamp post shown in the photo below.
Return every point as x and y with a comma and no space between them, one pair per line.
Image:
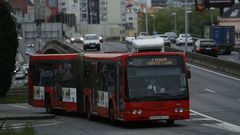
211,10
188,12
146,17
154,27
186,25
175,22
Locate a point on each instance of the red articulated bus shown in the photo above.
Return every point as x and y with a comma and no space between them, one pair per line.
144,86
135,86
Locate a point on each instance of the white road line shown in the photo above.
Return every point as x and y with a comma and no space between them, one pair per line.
234,52
225,126
200,119
19,106
215,72
221,125
192,114
212,91
37,125
231,59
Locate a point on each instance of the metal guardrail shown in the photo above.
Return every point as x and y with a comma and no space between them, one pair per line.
211,62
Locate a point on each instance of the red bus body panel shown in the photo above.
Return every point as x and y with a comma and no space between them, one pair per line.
156,108
69,106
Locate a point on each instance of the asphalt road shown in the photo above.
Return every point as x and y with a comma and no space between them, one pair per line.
213,113
215,109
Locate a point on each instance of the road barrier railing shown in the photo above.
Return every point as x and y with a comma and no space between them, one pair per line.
211,62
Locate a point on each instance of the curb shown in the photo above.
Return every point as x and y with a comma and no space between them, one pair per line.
26,116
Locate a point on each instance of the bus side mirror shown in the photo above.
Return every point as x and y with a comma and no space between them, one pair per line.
188,73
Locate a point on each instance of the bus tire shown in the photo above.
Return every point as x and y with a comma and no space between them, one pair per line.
48,104
170,122
88,112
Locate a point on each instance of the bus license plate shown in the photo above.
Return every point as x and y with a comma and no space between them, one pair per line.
92,45
158,117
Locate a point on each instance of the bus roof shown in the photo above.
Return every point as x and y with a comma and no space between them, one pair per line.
40,57
99,56
113,56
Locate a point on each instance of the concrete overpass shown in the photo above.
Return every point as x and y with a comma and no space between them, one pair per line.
58,47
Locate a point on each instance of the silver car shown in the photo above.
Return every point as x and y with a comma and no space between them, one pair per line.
167,41
20,75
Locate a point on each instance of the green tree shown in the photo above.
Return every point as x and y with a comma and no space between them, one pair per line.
8,46
164,20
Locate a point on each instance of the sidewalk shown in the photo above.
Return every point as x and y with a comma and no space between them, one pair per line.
22,112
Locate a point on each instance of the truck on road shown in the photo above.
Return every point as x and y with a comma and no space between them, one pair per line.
224,37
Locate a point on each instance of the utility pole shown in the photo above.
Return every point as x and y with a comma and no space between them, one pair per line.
211,10
186,25
146,17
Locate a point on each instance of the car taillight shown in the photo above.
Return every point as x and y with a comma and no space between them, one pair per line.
200,49
215,49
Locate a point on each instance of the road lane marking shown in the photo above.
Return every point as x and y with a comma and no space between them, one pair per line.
234,52
225,126
212,91
231,59
21,125
19,106
192,114
200,119
220,125
215,72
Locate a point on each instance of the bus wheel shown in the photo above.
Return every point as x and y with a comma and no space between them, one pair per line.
170,122
48,105
89,115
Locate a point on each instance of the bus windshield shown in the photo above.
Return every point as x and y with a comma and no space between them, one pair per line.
165,80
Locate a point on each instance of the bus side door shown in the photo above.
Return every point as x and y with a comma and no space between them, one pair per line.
118,90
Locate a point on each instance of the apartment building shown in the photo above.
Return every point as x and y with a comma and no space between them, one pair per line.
23,10
104,17
232,18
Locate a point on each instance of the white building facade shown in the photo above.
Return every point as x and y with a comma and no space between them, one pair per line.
103,17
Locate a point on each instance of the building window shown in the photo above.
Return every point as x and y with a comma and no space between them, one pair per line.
130,18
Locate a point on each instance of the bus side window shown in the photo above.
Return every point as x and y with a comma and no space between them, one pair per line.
111,78
46,75
35,74
67,75
103,76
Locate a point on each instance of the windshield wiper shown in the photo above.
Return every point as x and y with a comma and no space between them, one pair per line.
160,94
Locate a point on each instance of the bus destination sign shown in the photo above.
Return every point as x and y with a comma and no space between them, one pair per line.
160,61
156,61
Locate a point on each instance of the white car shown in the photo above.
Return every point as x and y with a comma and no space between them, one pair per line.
181,39
91,41
76,38
30,45
166,39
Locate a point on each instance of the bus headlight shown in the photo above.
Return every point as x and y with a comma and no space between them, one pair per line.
176,110
181,110
139,112
134,112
